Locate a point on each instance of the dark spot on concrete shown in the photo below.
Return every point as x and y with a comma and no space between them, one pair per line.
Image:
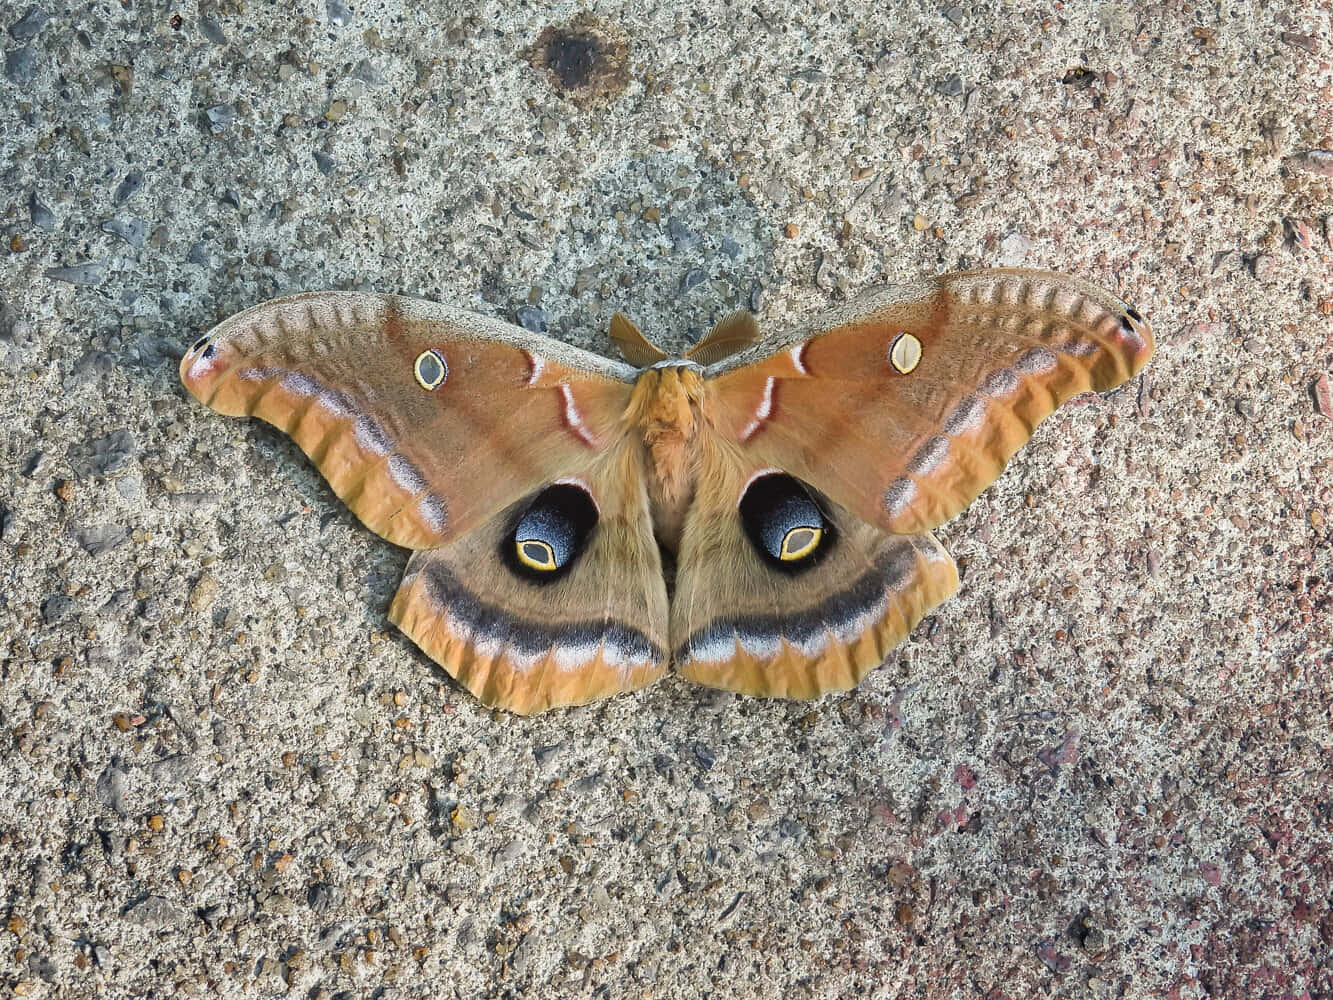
571,58
586,59
1080,78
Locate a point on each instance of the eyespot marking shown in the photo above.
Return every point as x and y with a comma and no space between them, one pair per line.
551,533
536,554
784,523
430,369
198,345
905,353
800,542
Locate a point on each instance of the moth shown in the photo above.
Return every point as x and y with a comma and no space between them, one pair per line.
757,512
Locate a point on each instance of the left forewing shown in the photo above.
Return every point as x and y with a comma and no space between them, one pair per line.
425,420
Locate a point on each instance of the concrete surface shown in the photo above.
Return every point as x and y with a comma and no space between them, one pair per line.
1102,770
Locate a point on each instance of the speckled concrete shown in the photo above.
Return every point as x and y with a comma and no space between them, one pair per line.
1102,770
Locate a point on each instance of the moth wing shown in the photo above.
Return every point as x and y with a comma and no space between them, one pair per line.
743,621
527,644
439,428
903,405
425,420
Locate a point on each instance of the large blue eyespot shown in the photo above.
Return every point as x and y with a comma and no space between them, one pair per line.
552,532
784,523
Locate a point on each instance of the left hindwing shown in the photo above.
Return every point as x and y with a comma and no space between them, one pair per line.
903,405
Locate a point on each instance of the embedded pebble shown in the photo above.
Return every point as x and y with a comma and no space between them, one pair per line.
128,187
42,217
683,238
132,231
692,278
98,538
323,897
1265,267
212,31
1323,395
203,593
91,366
1014,248
338,14
21,65
89,273
171,777
532,318
113,786
26,28
220,117
157,912
950,86
192,503
104,455
57,608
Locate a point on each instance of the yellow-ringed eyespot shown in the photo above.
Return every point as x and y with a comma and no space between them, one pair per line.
799,542
430,369
784,523
905,353
535,554
551,533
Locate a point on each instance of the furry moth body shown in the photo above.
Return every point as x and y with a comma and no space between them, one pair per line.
791,482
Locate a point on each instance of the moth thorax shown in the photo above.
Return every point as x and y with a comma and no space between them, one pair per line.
666,409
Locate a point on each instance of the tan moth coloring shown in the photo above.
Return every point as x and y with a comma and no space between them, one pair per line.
793,480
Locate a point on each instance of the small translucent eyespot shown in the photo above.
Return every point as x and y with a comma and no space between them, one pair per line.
1131,322
430,369
552,532
783,522
905,353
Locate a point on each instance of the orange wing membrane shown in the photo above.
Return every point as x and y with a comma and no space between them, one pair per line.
422,419
907,403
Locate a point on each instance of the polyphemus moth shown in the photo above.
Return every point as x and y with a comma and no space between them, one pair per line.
757,512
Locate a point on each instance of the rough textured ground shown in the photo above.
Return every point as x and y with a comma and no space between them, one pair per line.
1102,770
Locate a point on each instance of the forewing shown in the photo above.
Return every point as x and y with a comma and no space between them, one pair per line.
905,404
425,420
